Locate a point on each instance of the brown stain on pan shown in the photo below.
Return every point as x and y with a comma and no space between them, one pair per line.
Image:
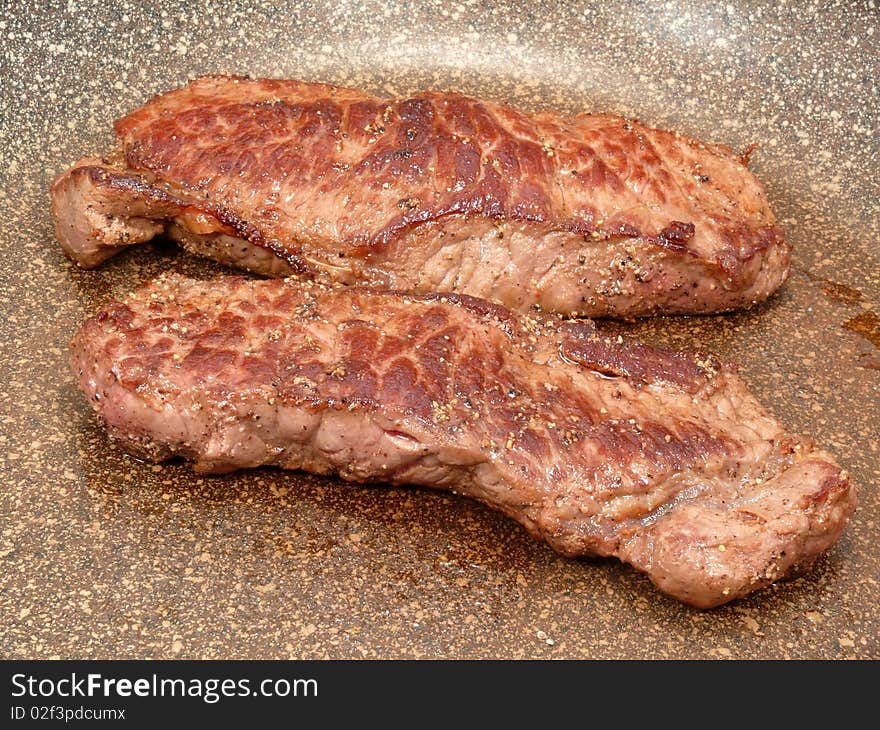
868,361
841,292
866,324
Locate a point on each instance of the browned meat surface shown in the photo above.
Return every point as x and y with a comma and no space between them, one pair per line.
597,446
593,215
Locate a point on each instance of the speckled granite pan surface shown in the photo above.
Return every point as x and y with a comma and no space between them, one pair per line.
102,556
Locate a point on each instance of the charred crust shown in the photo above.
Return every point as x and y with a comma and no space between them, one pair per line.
675,237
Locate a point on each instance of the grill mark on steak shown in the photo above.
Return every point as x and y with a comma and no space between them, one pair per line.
597,446
591,215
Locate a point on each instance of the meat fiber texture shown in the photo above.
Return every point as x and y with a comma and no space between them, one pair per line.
597,446
592,215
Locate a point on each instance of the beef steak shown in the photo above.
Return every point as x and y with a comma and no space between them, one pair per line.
593,215
598,446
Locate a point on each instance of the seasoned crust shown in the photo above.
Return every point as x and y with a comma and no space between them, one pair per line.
590,215
597,446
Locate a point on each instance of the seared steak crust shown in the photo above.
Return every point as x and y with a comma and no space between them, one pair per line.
597,446
590,215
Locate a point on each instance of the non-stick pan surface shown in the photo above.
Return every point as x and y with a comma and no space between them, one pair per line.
105,556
